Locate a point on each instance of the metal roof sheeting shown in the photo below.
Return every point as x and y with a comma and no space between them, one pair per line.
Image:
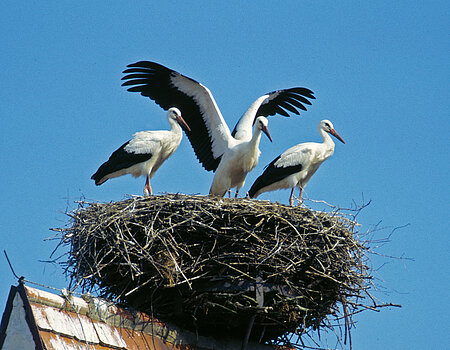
68,322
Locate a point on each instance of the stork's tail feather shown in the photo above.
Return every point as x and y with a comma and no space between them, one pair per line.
99,176
255,188
263,180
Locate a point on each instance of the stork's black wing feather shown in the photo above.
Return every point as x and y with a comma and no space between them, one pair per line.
288,99
120,159
157,82
273,174
280,102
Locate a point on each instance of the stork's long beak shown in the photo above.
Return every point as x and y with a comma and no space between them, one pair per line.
265,130
183,124
335,134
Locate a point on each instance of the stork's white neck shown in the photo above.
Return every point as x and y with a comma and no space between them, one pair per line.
174,126
328,143
244,127
256,137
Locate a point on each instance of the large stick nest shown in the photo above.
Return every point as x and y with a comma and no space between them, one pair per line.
215,266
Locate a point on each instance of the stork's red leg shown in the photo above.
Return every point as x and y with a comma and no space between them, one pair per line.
291,198
300,196
148,188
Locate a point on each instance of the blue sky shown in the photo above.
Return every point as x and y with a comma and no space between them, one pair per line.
380,72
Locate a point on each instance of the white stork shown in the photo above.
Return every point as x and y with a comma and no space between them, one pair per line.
230,155
144,153
295,166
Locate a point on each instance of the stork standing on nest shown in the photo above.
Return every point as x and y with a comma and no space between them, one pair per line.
144,153
232,155
294,167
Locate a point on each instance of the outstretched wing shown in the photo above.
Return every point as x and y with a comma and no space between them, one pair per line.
276,102
209,135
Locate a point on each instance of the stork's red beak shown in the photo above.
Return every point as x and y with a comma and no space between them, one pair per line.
335,134
265,130
183,124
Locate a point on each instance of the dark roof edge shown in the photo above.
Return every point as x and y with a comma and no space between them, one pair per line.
7,314
30,317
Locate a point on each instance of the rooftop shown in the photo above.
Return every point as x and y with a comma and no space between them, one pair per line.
37,319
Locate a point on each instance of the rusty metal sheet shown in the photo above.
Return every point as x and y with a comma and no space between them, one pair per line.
109,335
65,323
141,341
54,341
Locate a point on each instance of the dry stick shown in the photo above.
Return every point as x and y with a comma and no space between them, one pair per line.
176,265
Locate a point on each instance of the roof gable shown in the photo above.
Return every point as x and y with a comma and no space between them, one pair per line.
17,334
49,321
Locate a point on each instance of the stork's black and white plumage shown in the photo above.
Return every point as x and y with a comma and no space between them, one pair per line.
144,153
294,167
210,136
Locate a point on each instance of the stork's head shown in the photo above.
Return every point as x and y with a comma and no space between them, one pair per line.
261,123
174,114
327,126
